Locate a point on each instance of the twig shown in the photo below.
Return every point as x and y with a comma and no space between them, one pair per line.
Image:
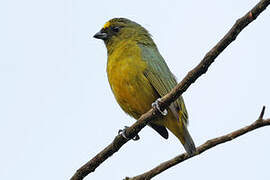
190,78
262,113
207,145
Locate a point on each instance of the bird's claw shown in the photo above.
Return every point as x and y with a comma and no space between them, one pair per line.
156,106
123,133
136,138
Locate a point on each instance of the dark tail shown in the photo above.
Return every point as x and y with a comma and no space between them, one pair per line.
188,142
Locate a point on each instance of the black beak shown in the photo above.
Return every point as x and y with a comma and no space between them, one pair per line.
101,35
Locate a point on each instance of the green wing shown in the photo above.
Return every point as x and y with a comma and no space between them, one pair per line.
162,79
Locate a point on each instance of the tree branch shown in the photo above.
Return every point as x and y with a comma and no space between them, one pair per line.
190,78
207,145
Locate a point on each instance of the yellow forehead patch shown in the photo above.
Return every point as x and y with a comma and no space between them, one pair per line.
106,25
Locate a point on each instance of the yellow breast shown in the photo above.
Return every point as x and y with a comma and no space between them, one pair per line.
131,88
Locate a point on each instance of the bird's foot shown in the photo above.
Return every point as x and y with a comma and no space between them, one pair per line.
123,133
156,106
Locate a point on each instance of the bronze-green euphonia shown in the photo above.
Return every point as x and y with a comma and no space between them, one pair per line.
138,75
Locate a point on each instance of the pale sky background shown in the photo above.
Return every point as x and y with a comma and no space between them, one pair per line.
57,110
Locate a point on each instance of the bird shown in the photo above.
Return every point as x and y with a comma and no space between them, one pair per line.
138,76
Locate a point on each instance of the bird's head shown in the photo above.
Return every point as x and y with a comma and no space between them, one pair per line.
118,30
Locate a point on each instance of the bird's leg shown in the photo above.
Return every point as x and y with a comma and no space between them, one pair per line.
123,133
156,106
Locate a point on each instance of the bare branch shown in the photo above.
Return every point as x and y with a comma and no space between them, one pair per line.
207,145
190,78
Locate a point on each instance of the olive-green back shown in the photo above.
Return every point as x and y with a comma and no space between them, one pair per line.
161,78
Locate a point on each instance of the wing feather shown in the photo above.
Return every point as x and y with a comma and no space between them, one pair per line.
162,79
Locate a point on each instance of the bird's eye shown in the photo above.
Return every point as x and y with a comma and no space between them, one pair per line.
115,29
